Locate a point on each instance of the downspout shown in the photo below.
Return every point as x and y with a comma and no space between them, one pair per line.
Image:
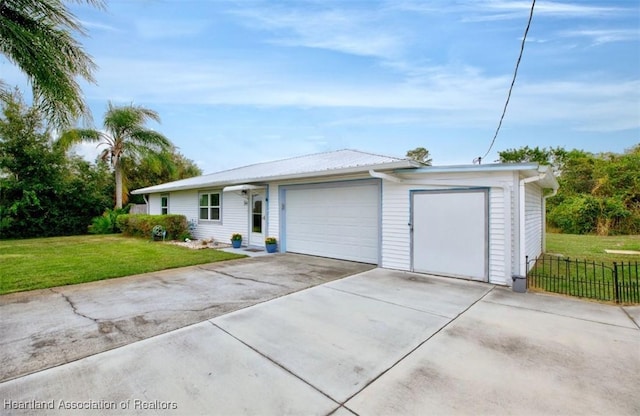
146,202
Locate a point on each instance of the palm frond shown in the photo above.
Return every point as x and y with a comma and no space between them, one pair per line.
75,136
37,36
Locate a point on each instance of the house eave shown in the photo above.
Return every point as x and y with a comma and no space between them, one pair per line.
364,169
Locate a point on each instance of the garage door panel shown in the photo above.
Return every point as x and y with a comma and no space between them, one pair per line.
340,222
450,233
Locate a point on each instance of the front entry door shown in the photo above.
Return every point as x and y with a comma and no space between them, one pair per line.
257,218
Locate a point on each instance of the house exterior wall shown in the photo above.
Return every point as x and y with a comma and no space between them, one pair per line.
533,217
154,204
395,246
396,216
234,214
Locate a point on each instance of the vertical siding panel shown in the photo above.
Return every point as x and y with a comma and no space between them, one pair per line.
273,229
154,204
396,236
533,220
183,203
497,240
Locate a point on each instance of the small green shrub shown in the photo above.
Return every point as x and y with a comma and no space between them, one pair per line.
140,225
107,222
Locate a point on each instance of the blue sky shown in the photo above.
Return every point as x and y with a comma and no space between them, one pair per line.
240,82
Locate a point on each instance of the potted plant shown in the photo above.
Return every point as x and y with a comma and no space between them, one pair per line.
236,240
271,244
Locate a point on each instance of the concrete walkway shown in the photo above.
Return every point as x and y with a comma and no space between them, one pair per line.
380,342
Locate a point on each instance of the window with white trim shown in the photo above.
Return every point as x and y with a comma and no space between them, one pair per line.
164,204
210,206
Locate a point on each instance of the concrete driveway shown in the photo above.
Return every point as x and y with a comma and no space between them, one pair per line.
379,342
45,328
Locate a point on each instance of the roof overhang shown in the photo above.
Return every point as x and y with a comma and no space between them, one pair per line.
532,171
364,169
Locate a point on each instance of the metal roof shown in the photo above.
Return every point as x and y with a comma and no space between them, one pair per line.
320,164
528,170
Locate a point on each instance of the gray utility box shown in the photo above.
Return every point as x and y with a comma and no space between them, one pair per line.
519,283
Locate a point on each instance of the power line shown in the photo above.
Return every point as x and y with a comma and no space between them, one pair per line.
513,81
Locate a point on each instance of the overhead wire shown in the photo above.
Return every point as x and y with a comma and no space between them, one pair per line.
513,81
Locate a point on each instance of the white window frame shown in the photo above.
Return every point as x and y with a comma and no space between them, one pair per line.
164,209
209,206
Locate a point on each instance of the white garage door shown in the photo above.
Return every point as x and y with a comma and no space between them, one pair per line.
450,233
341,222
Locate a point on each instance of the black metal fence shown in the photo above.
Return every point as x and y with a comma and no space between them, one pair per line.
618,281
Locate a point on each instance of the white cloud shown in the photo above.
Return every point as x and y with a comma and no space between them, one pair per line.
90,24
602,36
507,9
444,95
354,32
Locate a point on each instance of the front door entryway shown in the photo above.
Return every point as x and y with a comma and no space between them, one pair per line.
257,218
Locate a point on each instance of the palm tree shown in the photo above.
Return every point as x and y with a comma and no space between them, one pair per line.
124,137
36,35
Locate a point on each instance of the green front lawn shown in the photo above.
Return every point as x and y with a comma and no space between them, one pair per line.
578,265
48,262
592,247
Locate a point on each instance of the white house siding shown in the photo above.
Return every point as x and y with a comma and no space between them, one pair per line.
235,217
396,236
533,220
273,214
154,204
182,203
498,240
396,232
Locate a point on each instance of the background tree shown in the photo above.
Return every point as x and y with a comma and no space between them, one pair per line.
42,193
124,137
37,36
155,169
598,193
420,154
552,156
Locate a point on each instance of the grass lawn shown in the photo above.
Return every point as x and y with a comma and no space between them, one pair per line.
591,247
586,270
48,262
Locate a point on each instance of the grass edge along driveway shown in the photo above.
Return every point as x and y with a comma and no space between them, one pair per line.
41,263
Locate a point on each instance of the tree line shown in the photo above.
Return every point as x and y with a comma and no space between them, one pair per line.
47,191
599,193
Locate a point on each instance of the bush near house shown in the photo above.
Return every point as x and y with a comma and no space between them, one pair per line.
140,225
106,223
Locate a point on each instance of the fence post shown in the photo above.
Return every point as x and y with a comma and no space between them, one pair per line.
615,282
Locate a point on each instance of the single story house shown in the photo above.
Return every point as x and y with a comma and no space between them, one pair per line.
474,221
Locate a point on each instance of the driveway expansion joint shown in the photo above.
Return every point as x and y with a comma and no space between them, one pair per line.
389,303
276,363
637,324
418,346
567,316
